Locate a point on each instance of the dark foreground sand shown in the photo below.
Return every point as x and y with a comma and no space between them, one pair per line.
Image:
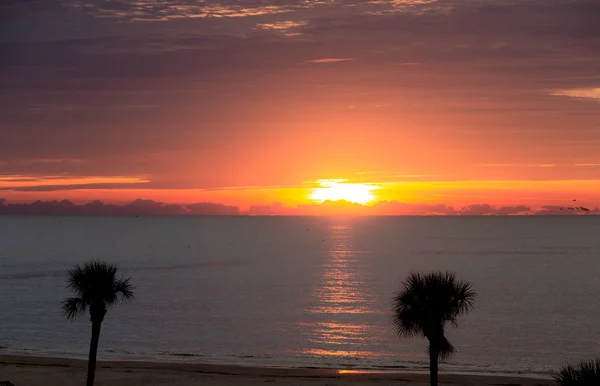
33,371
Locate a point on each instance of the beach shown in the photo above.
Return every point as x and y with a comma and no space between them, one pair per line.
33,371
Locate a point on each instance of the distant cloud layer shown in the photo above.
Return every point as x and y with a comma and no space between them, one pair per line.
97,208
328,208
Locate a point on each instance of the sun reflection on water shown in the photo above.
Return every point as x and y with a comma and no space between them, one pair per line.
339,298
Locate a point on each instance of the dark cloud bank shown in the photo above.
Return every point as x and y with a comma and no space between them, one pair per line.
391,208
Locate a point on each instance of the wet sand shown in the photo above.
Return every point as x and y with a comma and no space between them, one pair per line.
33,371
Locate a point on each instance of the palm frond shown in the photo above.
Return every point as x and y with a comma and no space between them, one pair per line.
123,289
73,307
75,277
408,307
96,287
446,349
448,296
425,303
464,297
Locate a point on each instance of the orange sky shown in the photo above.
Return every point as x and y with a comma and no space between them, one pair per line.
433,103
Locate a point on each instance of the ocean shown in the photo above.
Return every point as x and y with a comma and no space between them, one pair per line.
306,291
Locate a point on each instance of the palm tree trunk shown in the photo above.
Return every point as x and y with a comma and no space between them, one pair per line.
434,354
93,350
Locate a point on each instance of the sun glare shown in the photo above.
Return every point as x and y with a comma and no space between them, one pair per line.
336,190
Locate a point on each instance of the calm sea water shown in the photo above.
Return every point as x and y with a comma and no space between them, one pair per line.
306,291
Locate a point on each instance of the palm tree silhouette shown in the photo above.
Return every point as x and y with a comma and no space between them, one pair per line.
423,306
96,287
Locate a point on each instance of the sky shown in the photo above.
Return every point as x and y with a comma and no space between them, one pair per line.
421,105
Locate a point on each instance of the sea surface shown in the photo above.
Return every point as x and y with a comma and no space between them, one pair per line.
306,292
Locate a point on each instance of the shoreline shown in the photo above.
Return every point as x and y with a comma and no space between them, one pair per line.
39,370
184,360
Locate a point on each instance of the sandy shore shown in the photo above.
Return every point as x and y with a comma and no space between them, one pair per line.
32,371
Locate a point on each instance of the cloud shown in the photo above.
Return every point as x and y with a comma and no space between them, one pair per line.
478,210
147,11
276,209
514,210
286,27
212,209
51,161
53,183
581,93
135,208
407,209
327,208
328,60
566,211
396,208
518,165
53,188
491,210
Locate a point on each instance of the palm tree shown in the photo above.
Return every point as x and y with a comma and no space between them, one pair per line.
96,287
423,306
583,373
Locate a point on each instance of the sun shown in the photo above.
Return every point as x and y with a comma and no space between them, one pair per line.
336,190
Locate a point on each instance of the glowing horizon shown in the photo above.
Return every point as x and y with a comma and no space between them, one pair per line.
358,196
341,190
